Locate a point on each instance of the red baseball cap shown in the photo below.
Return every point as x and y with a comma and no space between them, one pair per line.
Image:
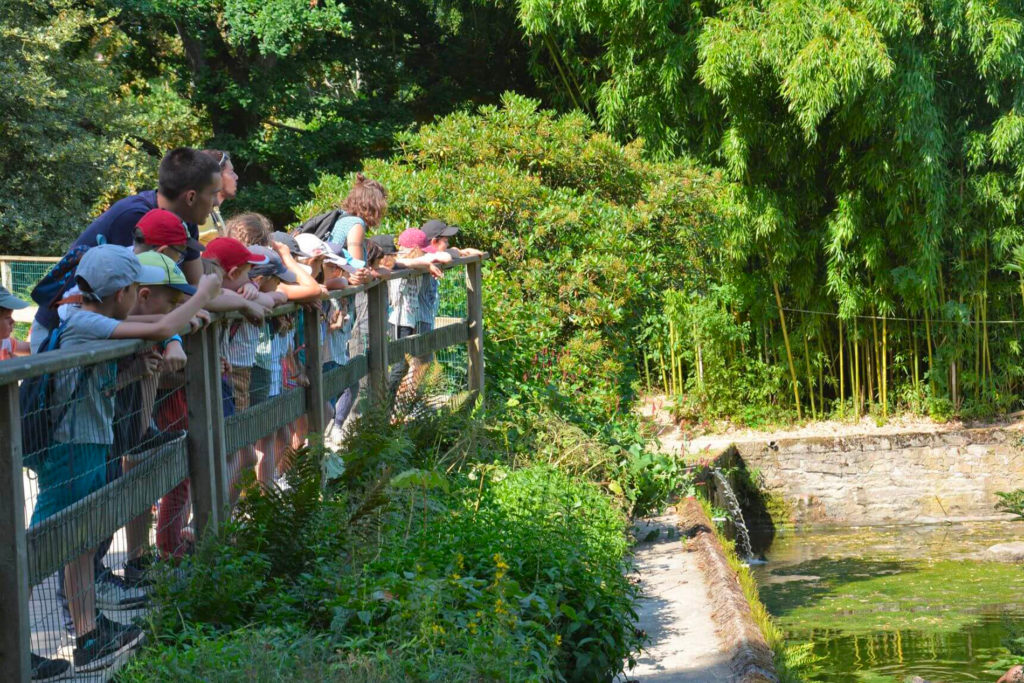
230,253
160,227
413,238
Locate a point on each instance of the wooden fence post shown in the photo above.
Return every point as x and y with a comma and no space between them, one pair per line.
205,427
15,637
314,372
475,323
6,275
377,351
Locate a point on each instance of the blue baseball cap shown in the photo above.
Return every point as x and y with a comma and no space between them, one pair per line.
107,268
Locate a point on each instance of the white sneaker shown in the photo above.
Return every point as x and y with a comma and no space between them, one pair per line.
112,593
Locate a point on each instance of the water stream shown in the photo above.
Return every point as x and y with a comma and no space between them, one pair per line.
881,604
743,546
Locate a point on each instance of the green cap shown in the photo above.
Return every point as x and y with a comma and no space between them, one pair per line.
171,276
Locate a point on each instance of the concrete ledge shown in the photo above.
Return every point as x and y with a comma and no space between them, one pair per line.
751,660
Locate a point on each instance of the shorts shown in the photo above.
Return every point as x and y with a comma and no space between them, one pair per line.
241,379
69,473
259,385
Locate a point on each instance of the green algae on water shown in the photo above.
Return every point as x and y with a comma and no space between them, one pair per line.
865,596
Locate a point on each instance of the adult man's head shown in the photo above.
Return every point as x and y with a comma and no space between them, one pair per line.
228,177
189,181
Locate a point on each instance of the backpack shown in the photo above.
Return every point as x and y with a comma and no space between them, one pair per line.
59,279
321,224
39,417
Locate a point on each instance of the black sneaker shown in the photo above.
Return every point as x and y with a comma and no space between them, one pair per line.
136,572
154,439
44,669
99,649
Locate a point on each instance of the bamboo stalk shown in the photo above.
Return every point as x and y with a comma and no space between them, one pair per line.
885,370
789,351
876,366
821,377
928,336
842,401
810,378
917,376
647,371
855,376
672,355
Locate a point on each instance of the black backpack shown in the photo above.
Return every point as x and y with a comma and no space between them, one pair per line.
321,224
39,416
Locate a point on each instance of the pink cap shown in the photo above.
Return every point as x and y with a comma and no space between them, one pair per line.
413,238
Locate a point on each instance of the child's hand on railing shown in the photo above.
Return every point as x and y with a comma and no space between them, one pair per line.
254,313
174,358
249,291
150,363
201,318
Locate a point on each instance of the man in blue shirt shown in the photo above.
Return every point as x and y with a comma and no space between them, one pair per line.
188,184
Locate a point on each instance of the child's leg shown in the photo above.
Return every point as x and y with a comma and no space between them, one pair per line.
137,530
79,581
171,520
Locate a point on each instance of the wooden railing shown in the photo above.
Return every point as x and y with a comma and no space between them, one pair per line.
29,555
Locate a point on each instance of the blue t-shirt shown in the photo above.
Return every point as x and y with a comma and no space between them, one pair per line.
342,226
117,225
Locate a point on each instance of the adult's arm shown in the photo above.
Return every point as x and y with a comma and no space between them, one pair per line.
193,270
307,287
356,235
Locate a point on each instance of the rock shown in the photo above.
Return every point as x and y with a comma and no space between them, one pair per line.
1016,674
1006,552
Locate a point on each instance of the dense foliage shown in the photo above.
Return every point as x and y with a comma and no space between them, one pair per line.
98,90
585,233
877,150
394,569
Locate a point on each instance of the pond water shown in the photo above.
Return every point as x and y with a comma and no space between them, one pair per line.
880,604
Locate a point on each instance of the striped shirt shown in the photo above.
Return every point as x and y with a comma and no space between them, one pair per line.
242,341
404,296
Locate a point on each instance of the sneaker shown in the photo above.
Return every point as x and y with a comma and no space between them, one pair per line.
99,649
113,593
44,669
135,572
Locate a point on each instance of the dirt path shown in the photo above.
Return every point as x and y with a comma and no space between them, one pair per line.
675,611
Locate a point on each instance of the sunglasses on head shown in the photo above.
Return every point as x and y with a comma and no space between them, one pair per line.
224,159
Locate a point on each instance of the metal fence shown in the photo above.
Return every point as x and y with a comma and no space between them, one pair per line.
99,492
19,274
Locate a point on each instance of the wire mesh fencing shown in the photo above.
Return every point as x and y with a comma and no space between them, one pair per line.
19,274
119,456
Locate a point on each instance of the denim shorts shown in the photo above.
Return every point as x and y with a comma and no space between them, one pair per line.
69,473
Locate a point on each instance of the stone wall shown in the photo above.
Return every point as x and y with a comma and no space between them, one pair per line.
894,478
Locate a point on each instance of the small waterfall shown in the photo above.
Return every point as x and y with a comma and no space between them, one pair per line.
743,536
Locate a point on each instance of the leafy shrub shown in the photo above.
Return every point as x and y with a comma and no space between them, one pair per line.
487,574
1012,502
584,232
